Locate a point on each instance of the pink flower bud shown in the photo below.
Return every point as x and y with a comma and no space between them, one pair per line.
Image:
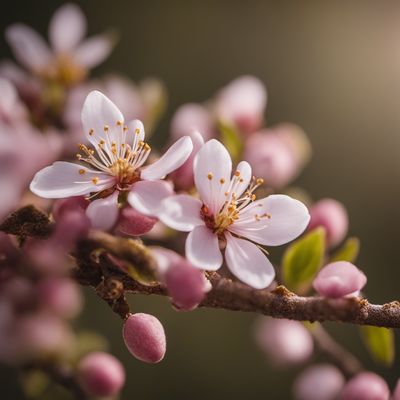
331,215
189,117
284,341
186,284
271,159
339,279
61,296
71,226
133,223
366,386
242,103
100,374
396,393
144,337
62,206
318,382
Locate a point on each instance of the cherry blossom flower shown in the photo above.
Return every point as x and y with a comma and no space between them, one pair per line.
118,166
228,213
69,56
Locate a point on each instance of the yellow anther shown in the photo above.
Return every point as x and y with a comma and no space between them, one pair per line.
125,128
91,131
79,156
81,171
253,197
237,173
222,181
137,131
209,176
106,128
241,180
119,123
147,147
95,180
260,181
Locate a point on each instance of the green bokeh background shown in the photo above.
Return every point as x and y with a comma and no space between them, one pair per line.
331,67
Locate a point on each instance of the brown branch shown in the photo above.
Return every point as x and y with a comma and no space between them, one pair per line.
96,268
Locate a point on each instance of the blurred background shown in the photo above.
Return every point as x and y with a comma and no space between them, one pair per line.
331,67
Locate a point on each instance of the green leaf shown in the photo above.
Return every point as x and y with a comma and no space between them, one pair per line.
380,344
303,259
348,252
231,139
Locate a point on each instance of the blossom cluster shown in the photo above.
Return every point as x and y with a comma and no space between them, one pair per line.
225,180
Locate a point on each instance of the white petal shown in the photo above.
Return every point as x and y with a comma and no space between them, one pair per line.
172,159
289,218
94,50
245,177
99,112
212,161
146,196
63,179
135,133
181,212
28,47
202,249
67,27
248,263
103,213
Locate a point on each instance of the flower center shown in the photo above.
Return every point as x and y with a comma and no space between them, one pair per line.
116,157
229,212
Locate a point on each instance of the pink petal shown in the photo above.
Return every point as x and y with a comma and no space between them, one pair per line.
181,212
339,279
248,263
202,249
98,112
67,28
172,159
366,386
288,219
133,223
64,179
146,196
212,165
28,47
94,51
103,213
192,116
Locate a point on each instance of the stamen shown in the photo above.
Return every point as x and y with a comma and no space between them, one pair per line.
95,180
81,171
209,176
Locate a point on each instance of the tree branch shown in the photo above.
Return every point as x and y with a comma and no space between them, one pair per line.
99,259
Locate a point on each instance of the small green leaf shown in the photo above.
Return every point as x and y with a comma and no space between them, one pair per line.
348,252
303,259
231,139
380,344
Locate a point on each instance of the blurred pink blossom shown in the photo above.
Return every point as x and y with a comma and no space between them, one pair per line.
69,56
366,386
285,342
100,374
331,215
319,382
242,103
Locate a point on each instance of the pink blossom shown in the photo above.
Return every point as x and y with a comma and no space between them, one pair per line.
331,215
132,222
339,279
192,117
60,296
144,337
118,167
228,212
396,393
186,284
242,103
318,382
366,386
100,374
283,341
69,56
